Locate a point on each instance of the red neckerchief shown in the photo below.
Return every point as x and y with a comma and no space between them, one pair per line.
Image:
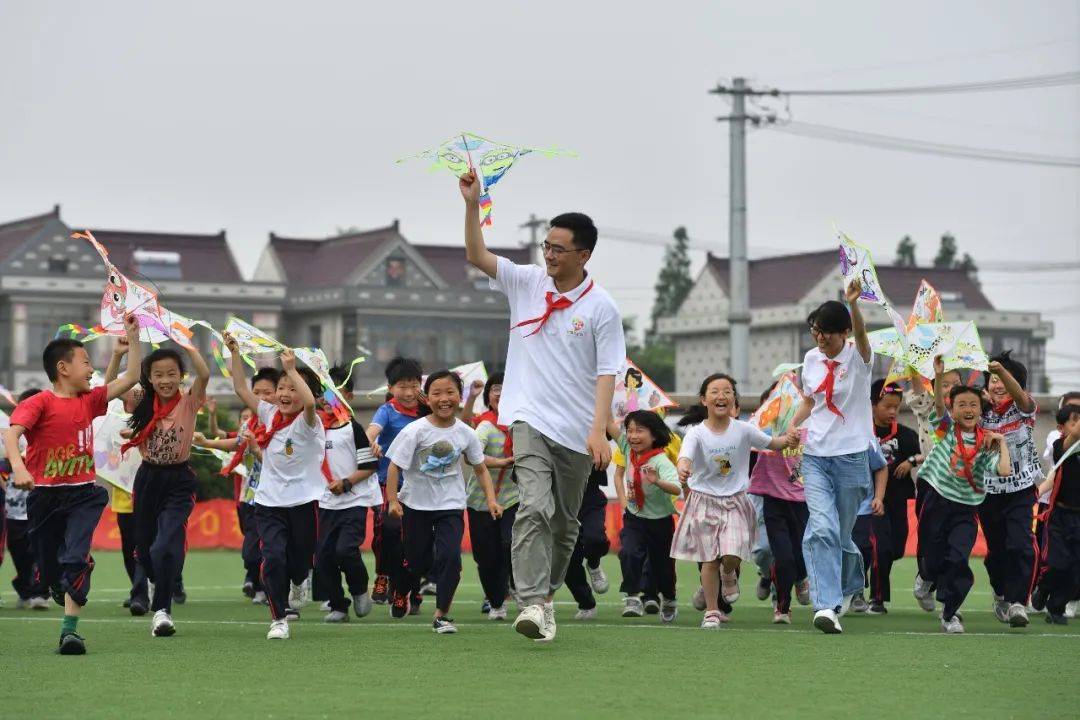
328,419
280,422
160,410
1004,406
552,305
258,431
407,411
636,461
508,443
961,455
890,436
828,385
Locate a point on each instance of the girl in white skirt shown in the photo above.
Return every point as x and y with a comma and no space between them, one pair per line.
718,524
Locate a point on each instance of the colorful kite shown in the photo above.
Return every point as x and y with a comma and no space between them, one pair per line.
110,464
925,309
957,342
491,160
775,414
857,264
634,390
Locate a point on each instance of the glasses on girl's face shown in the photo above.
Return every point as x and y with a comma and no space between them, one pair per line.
726,393
815,331
556,250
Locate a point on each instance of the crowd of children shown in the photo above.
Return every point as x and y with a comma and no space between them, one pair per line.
311,477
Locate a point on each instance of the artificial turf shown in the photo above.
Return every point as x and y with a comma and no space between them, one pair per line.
220,665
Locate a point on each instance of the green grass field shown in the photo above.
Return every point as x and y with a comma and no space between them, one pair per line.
220,665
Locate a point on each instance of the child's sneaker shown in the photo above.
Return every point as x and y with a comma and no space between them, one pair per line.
877,608
857,604
443,625
325,607
137,607
336,616
71,644
259,598
414,603
279,630
632,607
399,608
764,587
597,579
427,588
827,622
1070,609
781,618
802,591
669,611
711,621
729,586
698,600
498,613
361,605
1052,619
923,593
380,593
179,595
298,596
652,606
292,614
548,632
248,588
38,603
485,607
162,625
530,622
1001,609
586,614
1038,599
1017,616
952,626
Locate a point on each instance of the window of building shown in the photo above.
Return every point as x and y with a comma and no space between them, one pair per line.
58,265
395,272
314,336
157,264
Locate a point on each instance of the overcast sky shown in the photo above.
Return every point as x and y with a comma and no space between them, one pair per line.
287,117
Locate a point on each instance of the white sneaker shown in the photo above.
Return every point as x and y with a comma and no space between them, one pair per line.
1001,609
669,611
711,621
589,614
856,604
38,603
259,598
1017,616
1070,609
597,579
827,622
162,625
279,630
362,604
336,616
952,626
530,622
698,600
298,596
548,633
497,613
802,591
325,607
781,618
632,607
922,594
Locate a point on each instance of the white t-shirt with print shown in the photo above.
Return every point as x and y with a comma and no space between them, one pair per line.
827,434
720,462
550,379
1018,428
343,458
292,462
430,459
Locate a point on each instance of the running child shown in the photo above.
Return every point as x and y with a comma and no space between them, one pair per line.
646,494
872,507
290,484
162,427
26,582
718,524
1060,581
403,377
432,502
351,489
64,504
955,473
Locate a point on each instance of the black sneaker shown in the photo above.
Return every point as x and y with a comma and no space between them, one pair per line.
179,595
137,607
414,604
248,589
443,625
877,608
71,644
1052,619
399,608
652,606
764,587
292,614
485,608
1038,599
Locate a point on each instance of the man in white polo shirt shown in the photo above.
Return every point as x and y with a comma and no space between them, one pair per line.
566,345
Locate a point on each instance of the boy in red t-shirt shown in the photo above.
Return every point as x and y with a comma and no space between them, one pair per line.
64,504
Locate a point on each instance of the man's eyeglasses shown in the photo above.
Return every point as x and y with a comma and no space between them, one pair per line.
556,250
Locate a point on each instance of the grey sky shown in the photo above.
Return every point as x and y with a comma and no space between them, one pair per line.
260,116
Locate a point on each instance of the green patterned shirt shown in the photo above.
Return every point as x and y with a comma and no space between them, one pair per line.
938,469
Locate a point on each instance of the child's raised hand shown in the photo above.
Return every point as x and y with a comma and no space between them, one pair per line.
231,343
995,368
469,185
288,360
395,510
853,291
475,388
939,365
131,326
122,346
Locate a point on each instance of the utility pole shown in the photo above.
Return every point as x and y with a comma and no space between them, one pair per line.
738,264
534,224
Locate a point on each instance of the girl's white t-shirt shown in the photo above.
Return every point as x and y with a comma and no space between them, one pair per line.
292,462
829,434
343,458
721,461
430,460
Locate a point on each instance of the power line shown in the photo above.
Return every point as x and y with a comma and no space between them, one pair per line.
925,147
1021,83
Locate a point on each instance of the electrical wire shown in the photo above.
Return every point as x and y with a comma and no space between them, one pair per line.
1020,83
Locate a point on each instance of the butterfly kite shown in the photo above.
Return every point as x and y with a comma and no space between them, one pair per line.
491,160
634,390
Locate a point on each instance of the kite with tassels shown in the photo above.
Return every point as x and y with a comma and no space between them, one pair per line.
491,160
857,264
957,342
925,309
634,390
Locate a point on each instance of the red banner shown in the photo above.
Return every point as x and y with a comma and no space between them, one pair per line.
213,525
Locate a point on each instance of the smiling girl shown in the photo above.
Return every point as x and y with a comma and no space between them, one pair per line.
162,426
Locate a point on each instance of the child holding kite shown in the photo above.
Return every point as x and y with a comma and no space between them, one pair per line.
64,504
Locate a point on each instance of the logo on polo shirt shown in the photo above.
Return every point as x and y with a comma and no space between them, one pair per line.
577,326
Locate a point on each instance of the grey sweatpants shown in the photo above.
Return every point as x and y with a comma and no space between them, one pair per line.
551,483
